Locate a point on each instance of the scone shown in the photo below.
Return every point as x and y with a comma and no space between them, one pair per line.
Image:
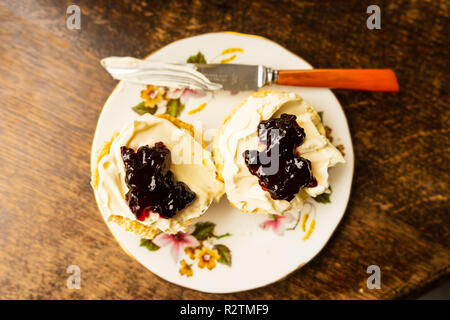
272,153
155,176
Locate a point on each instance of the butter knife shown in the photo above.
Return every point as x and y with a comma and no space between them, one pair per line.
235,77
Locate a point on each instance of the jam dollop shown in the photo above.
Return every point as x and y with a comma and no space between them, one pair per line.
152,186
280,170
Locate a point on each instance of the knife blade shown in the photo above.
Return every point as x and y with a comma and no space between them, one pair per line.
245,77
253,77
237,76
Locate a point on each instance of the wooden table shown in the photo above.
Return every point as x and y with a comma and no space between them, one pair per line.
52,89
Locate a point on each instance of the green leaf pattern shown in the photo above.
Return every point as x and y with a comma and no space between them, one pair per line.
141,108
149,244
225,254
197,58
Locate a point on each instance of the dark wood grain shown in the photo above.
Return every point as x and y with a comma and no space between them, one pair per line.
53,88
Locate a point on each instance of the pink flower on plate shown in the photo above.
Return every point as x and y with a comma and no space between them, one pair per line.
177,242
173,93
184,94
190,93
278,223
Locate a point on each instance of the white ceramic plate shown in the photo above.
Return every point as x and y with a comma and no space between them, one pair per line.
259,256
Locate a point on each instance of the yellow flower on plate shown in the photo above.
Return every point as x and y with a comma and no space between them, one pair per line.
190,251
207,257
186,269
152,95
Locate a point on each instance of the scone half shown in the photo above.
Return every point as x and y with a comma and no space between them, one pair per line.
239,132
190,164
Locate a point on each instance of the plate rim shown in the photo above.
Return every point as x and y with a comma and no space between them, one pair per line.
351,154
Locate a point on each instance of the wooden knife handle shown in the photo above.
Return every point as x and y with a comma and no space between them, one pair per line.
354,79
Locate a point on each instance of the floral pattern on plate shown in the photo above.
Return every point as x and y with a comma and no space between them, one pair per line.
290,221
158,100
197,245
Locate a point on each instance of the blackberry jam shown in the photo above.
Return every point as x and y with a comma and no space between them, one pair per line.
280,170
152,186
